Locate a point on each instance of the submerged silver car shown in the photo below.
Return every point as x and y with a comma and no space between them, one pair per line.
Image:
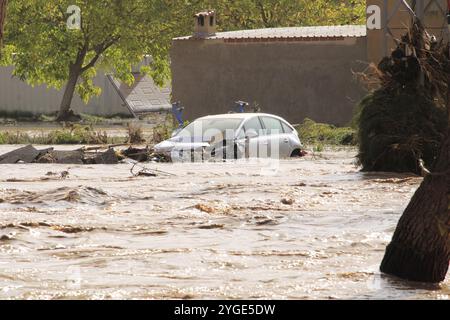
233,136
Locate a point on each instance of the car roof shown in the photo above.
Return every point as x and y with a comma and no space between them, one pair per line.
242,116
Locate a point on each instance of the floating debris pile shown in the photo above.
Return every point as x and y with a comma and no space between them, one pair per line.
91,155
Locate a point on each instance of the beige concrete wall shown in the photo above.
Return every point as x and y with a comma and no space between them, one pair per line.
16,95
292,79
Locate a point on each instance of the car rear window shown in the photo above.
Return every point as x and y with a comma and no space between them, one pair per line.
272,125
286,128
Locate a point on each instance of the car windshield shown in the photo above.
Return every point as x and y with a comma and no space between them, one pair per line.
208,128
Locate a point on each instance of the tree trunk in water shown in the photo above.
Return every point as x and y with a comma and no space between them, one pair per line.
65,113
420,248
2,18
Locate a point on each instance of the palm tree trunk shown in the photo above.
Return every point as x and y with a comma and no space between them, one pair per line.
420,248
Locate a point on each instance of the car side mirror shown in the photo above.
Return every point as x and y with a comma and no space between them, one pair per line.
250,134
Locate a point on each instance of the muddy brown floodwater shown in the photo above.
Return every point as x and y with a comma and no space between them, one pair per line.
311,229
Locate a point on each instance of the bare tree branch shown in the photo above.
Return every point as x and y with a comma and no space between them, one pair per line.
99,50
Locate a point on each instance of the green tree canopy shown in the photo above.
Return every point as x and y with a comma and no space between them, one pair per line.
114,36
253,14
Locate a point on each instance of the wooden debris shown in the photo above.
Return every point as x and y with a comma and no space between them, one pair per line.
136,154
62,157
204,208
288,201
108,157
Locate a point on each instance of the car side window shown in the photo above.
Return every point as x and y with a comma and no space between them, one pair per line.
272,125
253,124
286,128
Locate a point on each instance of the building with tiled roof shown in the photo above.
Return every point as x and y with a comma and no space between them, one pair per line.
296,72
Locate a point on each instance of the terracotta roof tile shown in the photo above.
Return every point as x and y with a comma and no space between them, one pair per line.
292,33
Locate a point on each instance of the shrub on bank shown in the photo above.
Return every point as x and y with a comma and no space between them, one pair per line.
314,133
396,131
78,135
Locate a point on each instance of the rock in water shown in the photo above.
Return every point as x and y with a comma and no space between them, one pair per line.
108,157
26,154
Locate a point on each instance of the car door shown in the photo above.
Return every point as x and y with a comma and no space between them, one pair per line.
250,138
278,142
290,139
